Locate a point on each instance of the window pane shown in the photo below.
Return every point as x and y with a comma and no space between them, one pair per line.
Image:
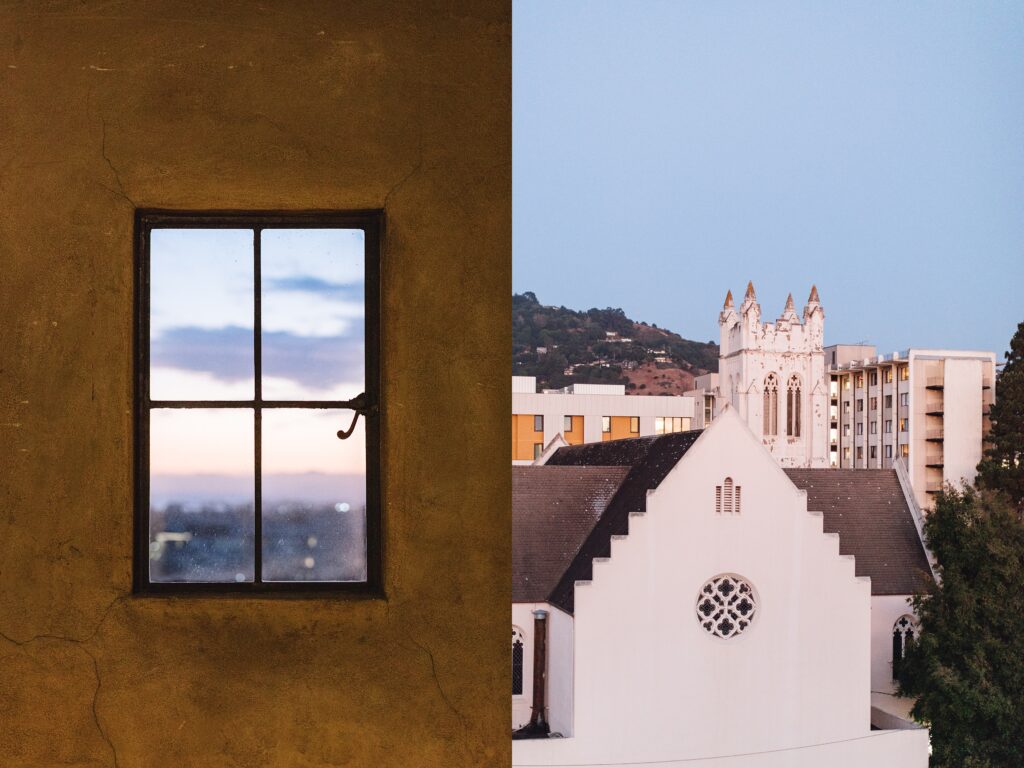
201,495
201,314
314,496
312,313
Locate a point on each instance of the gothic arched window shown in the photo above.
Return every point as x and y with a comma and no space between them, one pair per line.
793,406
902,638
517,661
771,406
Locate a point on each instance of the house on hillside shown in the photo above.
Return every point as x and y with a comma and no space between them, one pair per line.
681,598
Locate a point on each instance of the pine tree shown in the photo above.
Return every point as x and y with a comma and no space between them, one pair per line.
1002,468
967,666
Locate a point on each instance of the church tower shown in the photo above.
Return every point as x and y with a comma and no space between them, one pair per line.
774,376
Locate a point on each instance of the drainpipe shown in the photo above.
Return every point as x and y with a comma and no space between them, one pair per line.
538,727
538,719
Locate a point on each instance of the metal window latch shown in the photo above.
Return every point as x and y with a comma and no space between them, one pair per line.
360,406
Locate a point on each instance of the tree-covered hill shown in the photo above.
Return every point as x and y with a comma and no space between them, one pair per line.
562,346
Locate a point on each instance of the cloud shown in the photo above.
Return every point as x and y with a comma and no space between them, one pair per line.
317,362
316,285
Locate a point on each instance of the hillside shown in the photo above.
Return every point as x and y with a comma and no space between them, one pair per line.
602,346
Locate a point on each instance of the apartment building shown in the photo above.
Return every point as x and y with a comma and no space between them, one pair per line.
926,406
589,413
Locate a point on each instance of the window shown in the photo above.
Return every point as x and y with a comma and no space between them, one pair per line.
256,351
726,606
538,423
904,398
888,426
634,424
888,401
666,424
904,373
888,375
727,498
518,647
860,453
860,381
873,452
567,424
904,425
888,451
846,382
860,405
903,632
846,453
860,428
873,404
538,449
846,406
793,407
846,430
771,406
874,428
606,423
905,451
709,409
873,378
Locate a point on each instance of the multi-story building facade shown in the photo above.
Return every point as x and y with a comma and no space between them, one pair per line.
589,413
926,406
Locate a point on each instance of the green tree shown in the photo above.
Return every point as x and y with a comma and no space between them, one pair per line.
967,666
1002,468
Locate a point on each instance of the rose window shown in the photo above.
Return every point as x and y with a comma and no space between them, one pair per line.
726,606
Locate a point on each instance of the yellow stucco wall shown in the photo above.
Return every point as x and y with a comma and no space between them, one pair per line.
619,429
524,437
575,436
105,107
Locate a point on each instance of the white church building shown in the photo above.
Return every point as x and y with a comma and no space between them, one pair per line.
774,375
711,598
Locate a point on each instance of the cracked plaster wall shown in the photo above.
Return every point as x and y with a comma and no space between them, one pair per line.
105,106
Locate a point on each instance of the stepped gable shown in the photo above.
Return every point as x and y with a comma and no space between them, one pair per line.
868,510
553,511
649,460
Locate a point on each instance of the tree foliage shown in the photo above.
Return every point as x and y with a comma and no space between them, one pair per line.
578,338
1002,467
967,667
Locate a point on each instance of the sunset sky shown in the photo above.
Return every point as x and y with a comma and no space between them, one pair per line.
202,349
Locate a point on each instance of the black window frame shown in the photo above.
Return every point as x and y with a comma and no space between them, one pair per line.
370,408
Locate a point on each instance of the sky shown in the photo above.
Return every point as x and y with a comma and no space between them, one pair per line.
202,348
664,152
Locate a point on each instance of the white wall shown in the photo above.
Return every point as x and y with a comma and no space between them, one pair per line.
875,749
651,684
559,667
962,405
885,610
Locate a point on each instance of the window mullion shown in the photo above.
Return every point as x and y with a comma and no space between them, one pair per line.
257,339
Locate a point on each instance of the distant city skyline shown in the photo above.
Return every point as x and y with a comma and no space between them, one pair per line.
664,153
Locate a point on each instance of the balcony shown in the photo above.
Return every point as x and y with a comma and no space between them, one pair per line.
933,460
986,382
934,435
934,408
935,383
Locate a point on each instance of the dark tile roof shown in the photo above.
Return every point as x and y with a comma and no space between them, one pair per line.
866,507
553,510
649,459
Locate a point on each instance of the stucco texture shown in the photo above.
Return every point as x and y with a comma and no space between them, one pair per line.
110,106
